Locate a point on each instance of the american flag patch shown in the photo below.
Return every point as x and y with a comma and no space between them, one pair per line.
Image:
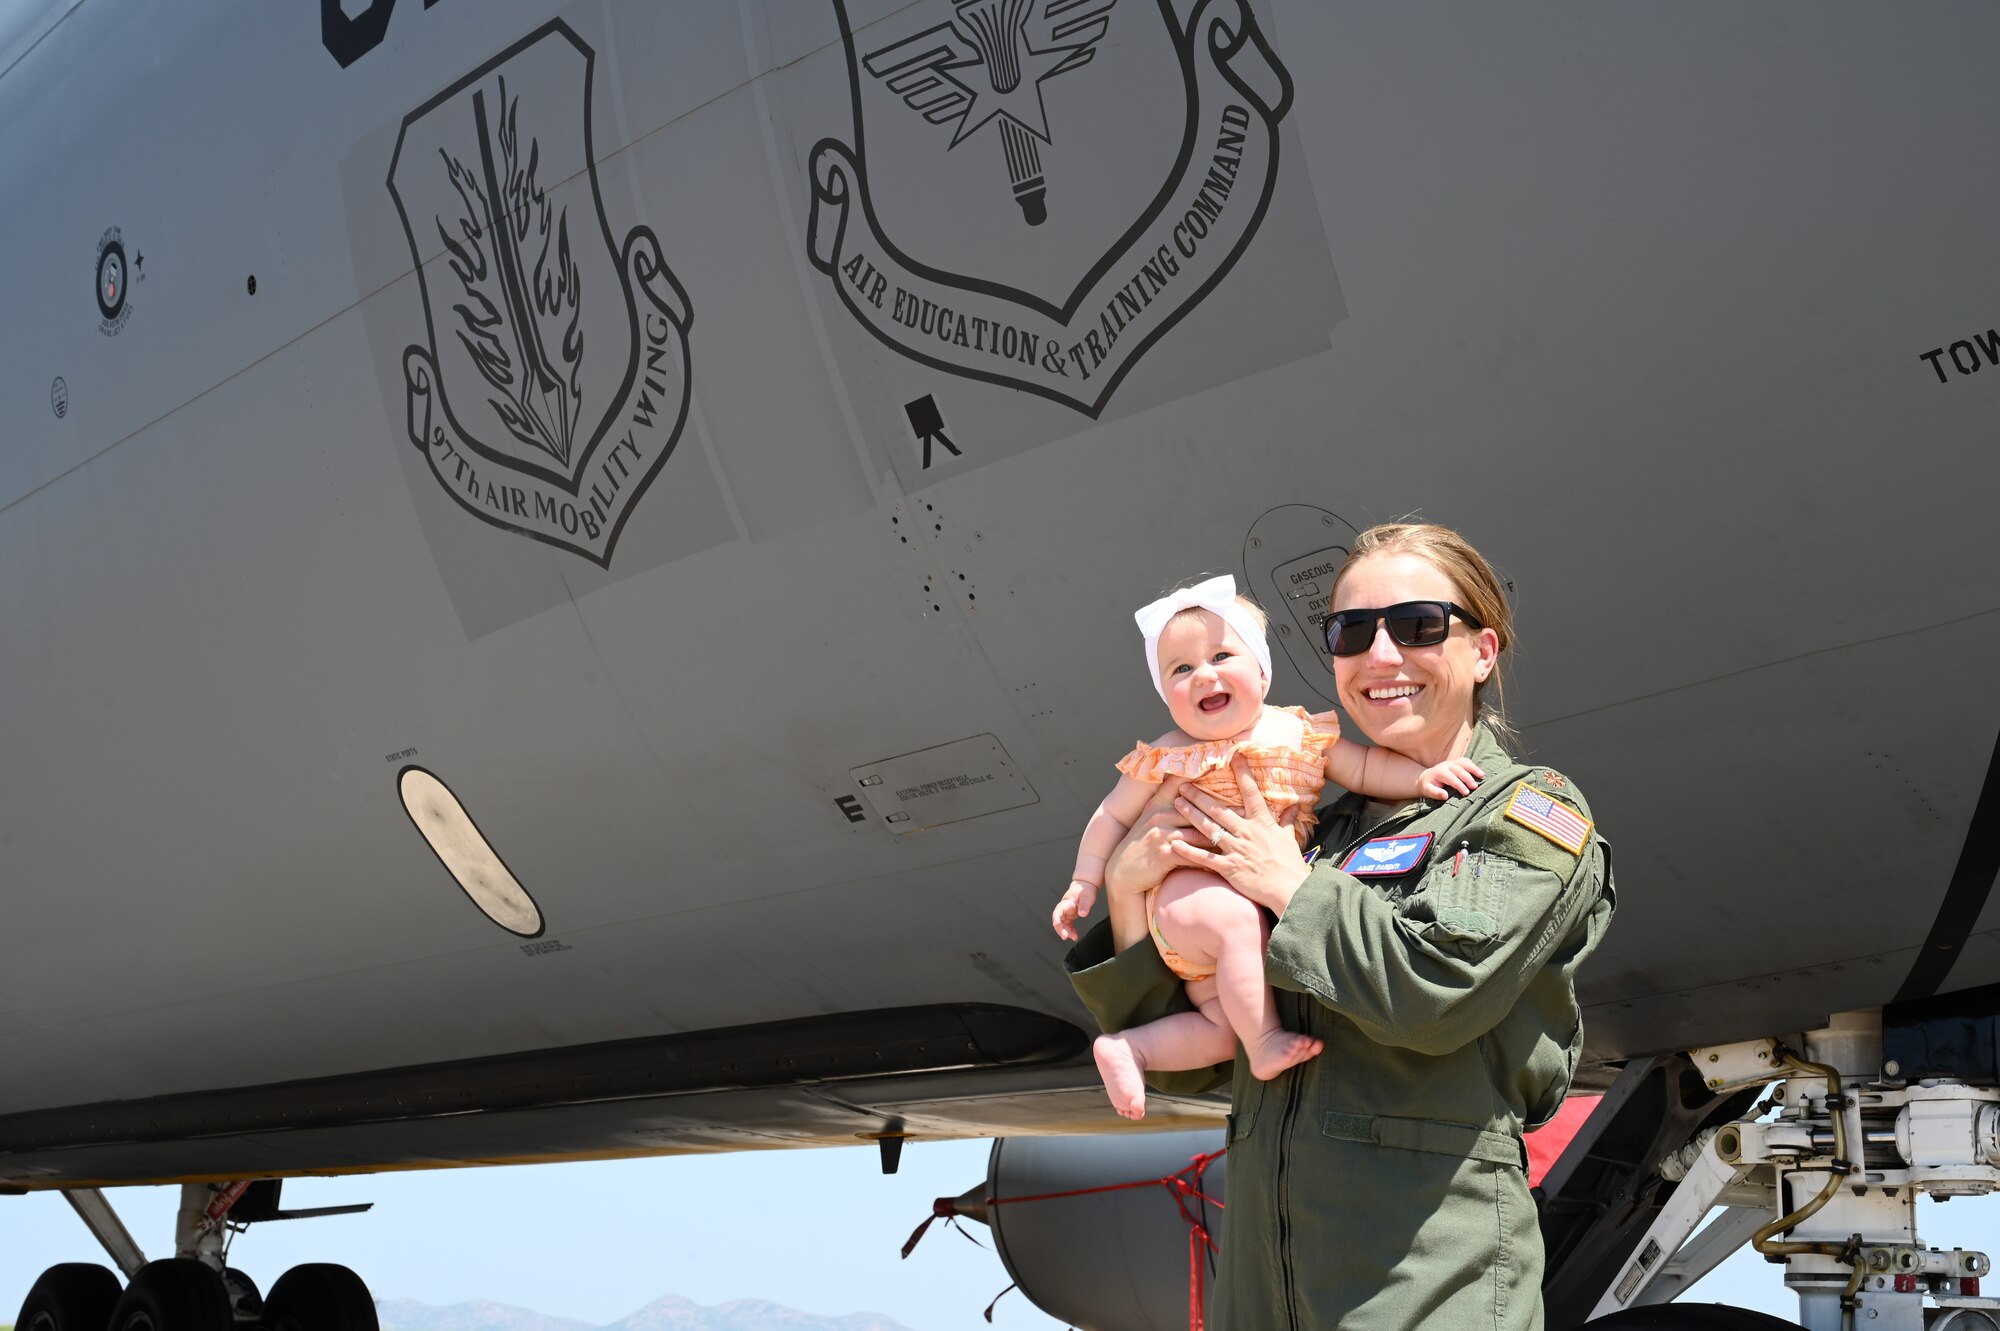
1551,817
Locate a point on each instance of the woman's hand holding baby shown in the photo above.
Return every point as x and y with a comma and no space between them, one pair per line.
1141,861
1257,853
1144,858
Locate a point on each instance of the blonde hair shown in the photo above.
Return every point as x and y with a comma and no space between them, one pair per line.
1481,591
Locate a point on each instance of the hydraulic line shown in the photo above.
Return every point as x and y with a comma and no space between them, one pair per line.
1836,1175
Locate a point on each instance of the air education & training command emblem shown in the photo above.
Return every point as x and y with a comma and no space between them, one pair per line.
1039,189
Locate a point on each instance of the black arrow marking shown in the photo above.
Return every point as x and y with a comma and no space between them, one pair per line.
927,423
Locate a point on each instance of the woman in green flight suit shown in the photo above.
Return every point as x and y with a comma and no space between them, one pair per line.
1433,947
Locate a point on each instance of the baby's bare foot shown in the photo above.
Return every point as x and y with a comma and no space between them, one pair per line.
1124,1073
1277,1050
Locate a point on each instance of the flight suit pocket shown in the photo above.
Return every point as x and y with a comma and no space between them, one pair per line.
1561,1069
1452,911
1430,1136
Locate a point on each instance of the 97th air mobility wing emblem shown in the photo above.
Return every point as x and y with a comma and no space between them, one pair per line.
1038,190
554,381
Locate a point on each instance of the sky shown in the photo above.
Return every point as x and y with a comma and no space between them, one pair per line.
815,1230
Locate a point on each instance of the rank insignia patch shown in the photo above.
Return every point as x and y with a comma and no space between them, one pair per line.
1550,817
1387,855
1553,780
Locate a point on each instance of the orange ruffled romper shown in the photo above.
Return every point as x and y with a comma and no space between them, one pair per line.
1286,776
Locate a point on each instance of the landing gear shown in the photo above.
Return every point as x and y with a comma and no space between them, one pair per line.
319,1296
194,1290
75,1296
177,1294
1862,1116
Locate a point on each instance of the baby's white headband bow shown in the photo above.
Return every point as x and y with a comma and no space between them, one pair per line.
1218,596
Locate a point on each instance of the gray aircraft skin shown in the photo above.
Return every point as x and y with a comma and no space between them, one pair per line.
723,445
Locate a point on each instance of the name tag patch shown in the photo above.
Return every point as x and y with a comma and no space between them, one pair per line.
1385,855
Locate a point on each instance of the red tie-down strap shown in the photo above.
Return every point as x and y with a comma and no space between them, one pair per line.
1183,1185
945,1209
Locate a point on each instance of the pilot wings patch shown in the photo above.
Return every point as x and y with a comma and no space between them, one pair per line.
1386,855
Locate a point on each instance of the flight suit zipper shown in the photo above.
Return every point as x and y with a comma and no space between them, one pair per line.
1287,1120
1287,1280
1295,1092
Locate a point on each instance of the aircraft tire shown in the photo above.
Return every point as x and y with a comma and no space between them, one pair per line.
1692,1317
320,1296
71,1296
176,1294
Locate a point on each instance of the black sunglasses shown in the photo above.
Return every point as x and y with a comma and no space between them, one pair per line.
1412,623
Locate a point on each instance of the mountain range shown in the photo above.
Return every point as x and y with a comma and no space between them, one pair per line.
672,1313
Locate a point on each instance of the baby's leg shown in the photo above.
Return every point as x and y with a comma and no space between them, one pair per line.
1177,1043
1210,923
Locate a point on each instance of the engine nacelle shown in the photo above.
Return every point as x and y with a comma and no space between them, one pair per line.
1103,1261
1119,1260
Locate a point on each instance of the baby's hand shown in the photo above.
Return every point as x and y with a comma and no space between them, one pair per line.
1075,904
1458,775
